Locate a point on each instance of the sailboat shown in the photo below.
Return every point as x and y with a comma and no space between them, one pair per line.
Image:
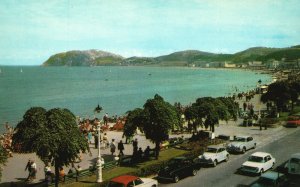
21,71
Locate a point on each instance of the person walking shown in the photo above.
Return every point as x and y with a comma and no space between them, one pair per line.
147,153
112,147
105,119
135,145
33,170
28,167
121,148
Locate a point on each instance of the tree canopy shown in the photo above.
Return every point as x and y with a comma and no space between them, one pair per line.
156,119
53,135
281,93
208,111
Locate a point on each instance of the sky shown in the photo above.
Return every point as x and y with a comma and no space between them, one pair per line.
31,31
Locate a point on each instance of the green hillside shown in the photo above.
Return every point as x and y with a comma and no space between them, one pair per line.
252,54
84,58
289,54
180,58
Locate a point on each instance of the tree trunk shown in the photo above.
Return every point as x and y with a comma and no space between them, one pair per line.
212,127
157,148
56,173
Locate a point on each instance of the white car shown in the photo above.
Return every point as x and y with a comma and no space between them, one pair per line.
213,155
258,163
241,144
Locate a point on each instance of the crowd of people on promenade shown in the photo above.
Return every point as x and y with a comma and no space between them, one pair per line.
6,139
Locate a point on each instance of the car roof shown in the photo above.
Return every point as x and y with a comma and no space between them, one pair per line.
296,155
272,175
124,179
260,154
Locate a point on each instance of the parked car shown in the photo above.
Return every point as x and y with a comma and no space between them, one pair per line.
293,121
213,155
271,179
258,163
293,164
131,181
241,144
177,168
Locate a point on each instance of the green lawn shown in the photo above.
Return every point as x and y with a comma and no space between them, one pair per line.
90,181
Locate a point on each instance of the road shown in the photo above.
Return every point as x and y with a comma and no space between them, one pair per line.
225,173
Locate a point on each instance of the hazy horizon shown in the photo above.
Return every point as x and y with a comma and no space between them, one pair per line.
33,31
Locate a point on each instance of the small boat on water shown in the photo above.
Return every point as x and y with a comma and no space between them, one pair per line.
21,71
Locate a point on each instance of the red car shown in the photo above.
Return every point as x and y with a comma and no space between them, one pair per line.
293,121
131,181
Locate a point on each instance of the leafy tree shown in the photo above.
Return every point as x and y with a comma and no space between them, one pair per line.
159,118
156,120
192,117
294,91
279,93
3,159
133,121
53,135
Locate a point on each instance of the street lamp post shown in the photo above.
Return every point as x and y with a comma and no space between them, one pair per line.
99,159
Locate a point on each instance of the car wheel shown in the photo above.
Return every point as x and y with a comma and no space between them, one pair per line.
215,163
176,178
194,172
244,150
227,158
261,171
154,185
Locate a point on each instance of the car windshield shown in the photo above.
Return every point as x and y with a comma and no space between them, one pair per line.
256,159
115,184
295,160
211,150
239,139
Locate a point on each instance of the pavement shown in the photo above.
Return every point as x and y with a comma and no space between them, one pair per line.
14,170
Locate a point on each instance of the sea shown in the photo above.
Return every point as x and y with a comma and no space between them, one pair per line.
117,89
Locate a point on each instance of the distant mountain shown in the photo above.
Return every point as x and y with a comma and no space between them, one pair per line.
188,57
180,58
84,58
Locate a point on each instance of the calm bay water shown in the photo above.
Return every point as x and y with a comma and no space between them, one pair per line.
116,89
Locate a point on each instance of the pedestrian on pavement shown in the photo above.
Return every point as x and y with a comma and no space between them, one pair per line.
33,170
147,153
105,141
28,167
121,148
105,118
244,106
135,145
112,147
90,135
62,174
96,140
139,155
